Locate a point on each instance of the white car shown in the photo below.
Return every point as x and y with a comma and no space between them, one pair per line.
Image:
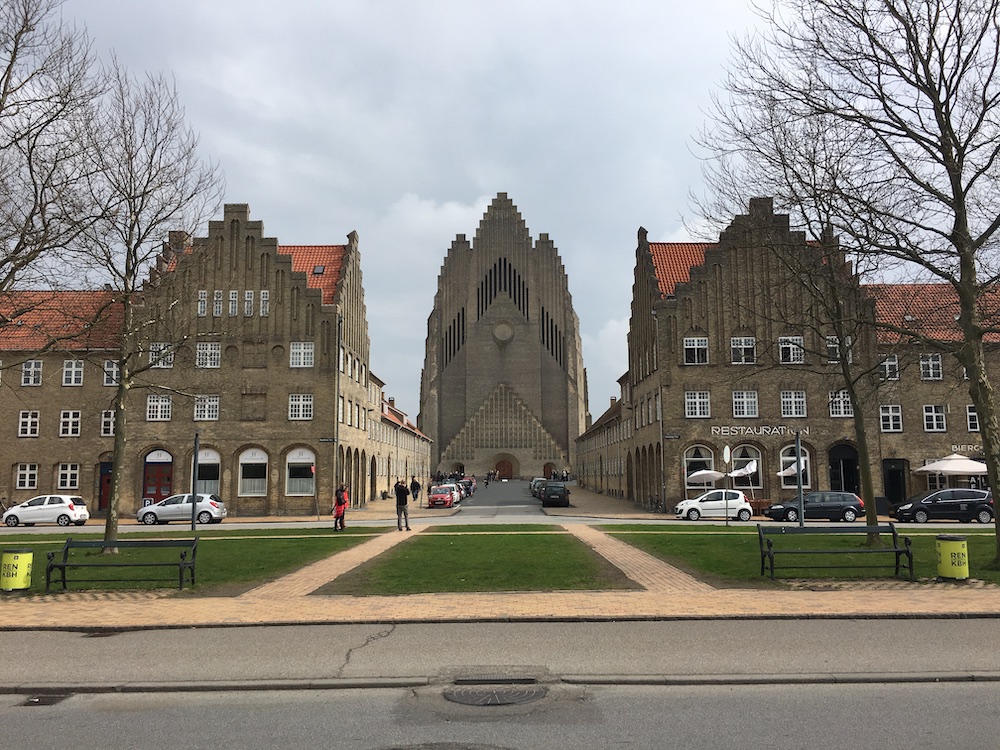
716,504
60,509
211,509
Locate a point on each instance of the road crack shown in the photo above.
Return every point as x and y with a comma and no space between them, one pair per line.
369,640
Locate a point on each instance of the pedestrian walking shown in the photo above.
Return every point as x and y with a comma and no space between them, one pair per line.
402,511
340,501
415,490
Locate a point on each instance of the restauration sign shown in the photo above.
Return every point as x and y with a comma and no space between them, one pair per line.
727,430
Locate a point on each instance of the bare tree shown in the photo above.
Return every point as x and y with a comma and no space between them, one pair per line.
880,119
150,180
47,87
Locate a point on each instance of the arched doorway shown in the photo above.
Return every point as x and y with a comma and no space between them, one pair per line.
157,475
504,469
844,474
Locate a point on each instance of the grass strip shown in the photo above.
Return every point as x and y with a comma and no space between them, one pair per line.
481,562
497,528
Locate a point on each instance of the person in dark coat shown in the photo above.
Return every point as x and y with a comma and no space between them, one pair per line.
402,511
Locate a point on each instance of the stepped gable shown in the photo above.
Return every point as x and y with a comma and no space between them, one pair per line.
503,419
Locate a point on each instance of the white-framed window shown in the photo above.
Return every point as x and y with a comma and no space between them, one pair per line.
300,473
72,374
27,424
697,404
208,354
217,303
248,304
833,349
697,458
253,473
206,408
793,404
696,350
302,354
161,355
891,416
744,349
340,410
888,369
202,303
934,418
972,417
31,372
69,423
68,477
745,404
300,406
930,367
158,408
788,473
743,455
108,423
234,303
791,350
840,404
27,476
112,372
265,303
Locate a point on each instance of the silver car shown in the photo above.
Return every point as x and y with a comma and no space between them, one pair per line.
60,509
210,509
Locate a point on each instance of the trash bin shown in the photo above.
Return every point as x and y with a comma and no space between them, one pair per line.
15,569
952,557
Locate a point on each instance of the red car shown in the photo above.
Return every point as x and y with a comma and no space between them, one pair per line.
442,496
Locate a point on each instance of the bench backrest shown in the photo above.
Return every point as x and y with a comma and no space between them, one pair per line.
793,530
71,543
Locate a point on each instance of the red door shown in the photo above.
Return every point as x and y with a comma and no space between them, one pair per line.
156,482
504,470
104,491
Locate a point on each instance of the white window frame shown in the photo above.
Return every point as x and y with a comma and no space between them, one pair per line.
931,367
787,459
248,304
745,405
206,408
68,476
202,303
891,417
833,350
971,418
265,303
791,350
27,423
108,423
234,303
161,355
208,355
158,407
793,404
31,372
302,354
935,418
72,374
27,476
696,350
112,372
69,422
698,404
300,407
743,349
889,367
840,404
217,298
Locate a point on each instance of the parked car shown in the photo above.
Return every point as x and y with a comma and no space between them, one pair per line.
949,504
468,486
60,509
715,504
442,496
535,484
833,506
555,494
210,509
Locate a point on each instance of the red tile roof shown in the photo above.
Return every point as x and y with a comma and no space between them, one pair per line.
307,258
61,320
673,261
929,310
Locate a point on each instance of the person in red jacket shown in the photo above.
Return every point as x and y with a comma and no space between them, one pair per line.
340,501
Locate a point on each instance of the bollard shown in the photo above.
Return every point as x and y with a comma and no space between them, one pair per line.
952,558
15,569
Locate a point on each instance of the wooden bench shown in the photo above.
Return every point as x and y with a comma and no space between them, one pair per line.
900,547
184,564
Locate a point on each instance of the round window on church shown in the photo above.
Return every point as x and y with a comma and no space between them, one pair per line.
503,332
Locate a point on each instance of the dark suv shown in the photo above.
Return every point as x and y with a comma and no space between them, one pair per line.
954,504
834,506
555,493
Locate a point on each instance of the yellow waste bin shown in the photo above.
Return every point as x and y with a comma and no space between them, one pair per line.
952,557
15,569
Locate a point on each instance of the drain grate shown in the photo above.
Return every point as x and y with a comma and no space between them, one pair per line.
495,696
49,699
495,679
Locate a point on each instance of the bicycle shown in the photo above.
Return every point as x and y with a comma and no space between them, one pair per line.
657,505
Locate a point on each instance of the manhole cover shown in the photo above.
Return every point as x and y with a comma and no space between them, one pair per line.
45,700
494,696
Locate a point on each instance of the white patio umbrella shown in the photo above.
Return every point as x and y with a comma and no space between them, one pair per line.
705,475
955,464
750,468
792,469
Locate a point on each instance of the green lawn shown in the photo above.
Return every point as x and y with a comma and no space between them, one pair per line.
733,555
482,562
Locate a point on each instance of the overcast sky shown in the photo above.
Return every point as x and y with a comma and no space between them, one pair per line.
402,120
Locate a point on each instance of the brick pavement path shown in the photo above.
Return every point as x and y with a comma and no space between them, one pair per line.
667,593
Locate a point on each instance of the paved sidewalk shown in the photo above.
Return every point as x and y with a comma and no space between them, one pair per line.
666,593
